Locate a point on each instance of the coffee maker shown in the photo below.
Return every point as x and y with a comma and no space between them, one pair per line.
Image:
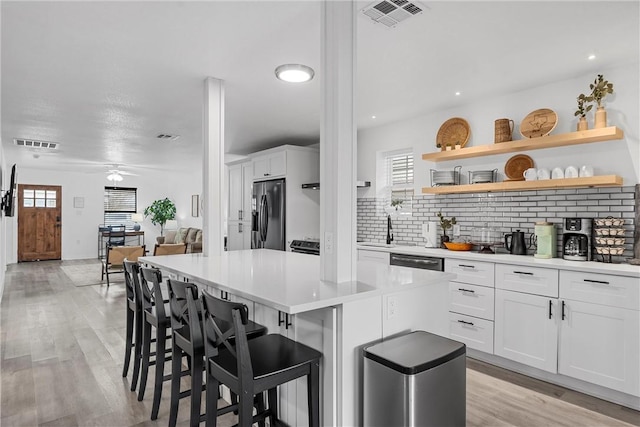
576,239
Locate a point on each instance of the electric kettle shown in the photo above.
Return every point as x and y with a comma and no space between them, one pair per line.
514,242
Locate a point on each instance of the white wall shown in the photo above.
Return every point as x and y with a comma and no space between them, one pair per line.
3,223
80,225
615,157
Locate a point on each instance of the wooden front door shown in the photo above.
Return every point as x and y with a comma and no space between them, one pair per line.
39,222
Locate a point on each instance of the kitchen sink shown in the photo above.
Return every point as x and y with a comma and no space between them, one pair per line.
376,244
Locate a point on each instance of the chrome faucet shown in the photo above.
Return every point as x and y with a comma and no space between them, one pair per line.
389,230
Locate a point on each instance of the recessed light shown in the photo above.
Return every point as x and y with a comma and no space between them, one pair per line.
373,117
457,93
591,57
294,73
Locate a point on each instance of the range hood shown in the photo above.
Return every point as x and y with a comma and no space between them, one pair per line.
316,185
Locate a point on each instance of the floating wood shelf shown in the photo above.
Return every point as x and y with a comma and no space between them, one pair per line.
594,181
549,141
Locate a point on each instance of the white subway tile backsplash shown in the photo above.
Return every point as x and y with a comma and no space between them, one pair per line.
506,211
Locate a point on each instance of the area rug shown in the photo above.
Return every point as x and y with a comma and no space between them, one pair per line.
89,274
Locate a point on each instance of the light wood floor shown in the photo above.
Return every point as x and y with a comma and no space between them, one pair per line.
61,362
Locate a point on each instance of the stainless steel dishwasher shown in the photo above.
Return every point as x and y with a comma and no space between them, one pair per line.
417,261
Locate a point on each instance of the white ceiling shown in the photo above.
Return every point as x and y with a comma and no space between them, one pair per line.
102,79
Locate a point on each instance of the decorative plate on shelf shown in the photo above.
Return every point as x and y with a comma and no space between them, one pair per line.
515,167
538,123
452,132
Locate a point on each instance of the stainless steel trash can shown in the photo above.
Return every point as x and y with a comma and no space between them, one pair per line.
417,379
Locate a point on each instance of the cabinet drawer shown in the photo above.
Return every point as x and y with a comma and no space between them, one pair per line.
604,289
381,257
474,272
531,280
475,333
472,300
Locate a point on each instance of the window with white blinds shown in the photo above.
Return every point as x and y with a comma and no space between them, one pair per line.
119,204
399,167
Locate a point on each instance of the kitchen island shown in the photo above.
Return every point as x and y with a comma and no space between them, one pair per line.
284,292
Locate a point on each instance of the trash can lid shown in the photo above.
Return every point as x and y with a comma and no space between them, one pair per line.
415,352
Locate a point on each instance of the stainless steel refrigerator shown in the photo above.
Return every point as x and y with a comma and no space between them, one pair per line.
268,215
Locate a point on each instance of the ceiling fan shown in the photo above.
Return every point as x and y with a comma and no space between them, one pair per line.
116,174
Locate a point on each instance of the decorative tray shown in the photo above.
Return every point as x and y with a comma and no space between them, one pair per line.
538,123
452,132
516,165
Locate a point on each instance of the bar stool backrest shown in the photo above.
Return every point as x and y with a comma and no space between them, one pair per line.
224,327
150,279
185,320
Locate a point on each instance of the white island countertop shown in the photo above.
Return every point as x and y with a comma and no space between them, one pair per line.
290,282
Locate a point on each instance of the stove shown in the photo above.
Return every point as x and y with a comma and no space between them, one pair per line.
311,247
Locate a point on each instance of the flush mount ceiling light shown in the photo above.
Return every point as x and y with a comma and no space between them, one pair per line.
294,73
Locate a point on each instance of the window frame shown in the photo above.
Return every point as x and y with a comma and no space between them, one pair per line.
120,216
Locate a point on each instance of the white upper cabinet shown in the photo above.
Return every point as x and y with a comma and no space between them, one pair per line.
273,165
239,187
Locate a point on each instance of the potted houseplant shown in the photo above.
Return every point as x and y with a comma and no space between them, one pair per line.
600,88
582,112
446,224
160,212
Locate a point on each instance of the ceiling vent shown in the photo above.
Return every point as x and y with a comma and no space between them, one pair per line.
167,137
30,143
392,12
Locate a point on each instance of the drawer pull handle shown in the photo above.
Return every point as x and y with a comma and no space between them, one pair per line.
602,282
466,266
523,272
465,322
563,315
467,290
550,304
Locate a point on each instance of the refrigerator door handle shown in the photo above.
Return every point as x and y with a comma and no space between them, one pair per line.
266,217
263,214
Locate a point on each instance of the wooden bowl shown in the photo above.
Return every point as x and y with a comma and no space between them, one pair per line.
458,246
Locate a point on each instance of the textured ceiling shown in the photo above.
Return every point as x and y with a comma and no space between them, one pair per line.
104,78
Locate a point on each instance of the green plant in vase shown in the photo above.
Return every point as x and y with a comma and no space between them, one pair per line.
582,111
160,212
446,224
600,88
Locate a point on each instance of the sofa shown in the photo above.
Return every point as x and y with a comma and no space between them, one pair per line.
189,235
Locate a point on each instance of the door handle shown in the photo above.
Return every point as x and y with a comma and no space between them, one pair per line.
240,228
550,303
240,214
563,315
465,322
467,290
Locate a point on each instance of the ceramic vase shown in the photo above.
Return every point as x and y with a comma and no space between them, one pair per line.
582,124
601,118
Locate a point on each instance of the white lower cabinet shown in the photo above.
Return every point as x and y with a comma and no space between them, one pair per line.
375,256
474,332
238,236
601,345
526,329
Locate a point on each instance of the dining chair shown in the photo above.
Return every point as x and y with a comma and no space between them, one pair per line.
114,261
117,234
170,249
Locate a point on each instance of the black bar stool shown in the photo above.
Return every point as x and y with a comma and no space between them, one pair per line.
133,339
155,310
250,367
187,340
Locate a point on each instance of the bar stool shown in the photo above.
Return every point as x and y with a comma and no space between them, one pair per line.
155,316
134,322
187,341
252,367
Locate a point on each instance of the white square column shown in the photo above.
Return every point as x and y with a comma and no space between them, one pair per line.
213,168
338,142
